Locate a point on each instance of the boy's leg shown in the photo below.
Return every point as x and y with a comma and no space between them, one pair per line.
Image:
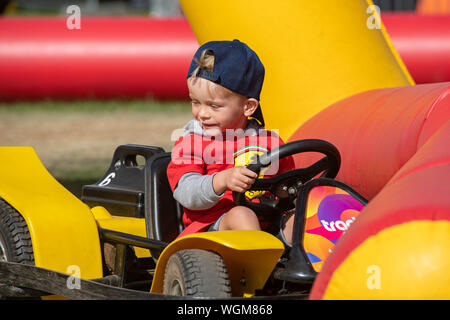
239,218
287,228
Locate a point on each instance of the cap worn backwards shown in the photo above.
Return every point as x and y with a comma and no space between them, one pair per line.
236,67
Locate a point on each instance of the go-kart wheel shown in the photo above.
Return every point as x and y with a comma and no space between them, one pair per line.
15,239
196,273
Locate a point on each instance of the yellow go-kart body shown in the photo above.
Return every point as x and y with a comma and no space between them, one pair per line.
65,231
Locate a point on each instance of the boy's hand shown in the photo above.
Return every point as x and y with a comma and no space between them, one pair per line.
238,179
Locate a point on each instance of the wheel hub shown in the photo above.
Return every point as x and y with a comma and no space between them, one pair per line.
176,289
3,252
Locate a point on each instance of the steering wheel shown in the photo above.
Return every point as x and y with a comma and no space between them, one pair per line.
284,188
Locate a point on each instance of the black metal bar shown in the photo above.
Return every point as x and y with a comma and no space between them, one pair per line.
299,269
120,260
132,240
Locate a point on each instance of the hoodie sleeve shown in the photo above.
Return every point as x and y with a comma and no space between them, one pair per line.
195,191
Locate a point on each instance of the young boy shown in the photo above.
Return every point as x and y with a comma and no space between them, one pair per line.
225,79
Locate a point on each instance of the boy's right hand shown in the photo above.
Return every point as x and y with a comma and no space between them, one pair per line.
238,179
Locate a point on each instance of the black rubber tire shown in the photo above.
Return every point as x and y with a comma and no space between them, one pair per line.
15,239
196,273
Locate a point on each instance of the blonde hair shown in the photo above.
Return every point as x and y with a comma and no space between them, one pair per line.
207,62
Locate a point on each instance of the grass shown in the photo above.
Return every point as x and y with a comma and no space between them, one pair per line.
75,140
93,106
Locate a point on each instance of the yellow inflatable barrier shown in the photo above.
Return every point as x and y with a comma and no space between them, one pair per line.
404,266
315,52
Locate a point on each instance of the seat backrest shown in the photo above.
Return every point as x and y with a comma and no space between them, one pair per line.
163,213
121,189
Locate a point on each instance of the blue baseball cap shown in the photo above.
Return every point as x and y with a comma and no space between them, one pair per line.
236,67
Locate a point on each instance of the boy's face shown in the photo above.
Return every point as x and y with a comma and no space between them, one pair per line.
217,108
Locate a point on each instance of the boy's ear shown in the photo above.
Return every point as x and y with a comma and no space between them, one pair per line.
251,104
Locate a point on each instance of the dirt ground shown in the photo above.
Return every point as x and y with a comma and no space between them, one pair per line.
79,145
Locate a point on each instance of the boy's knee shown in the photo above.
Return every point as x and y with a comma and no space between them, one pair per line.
240,218
242,212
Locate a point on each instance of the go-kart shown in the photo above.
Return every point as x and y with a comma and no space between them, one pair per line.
138,222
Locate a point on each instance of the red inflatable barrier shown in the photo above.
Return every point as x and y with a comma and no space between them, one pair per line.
423,42
378,131
139,57
106,58
415,207
394,148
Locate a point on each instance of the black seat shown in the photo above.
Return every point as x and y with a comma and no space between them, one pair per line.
163,213
121,189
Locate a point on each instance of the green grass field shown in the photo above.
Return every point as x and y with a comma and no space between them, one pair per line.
76,139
